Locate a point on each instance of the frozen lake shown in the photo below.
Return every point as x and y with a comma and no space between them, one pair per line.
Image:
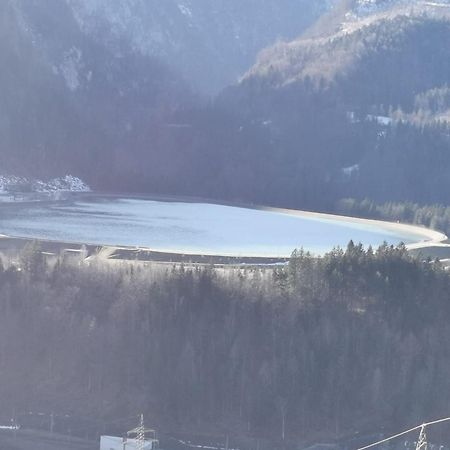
192,228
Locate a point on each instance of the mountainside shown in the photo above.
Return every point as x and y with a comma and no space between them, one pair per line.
65,98
390,40
359,111
358,104
89,87
211,43
364,67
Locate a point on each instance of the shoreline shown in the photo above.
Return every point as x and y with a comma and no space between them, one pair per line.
431,236
11,245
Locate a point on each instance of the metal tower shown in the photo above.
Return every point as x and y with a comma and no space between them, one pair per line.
140,433
422,442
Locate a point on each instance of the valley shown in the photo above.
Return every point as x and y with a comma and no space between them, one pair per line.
230,216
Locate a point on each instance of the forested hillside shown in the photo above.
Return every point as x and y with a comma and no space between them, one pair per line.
361,107
319,119
363,66
335,108
356,340
90,88
69,104
210,43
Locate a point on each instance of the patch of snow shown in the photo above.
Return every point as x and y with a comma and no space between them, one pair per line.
381,120
24,25
68,183
348,171
439,5
443,117
70,68
351,117
184,10
206,447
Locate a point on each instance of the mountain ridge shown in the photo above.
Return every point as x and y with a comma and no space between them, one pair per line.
210,43
125,121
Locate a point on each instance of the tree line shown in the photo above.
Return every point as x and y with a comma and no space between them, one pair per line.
357,339
436,216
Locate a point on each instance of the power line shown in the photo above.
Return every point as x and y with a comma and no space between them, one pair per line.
421,427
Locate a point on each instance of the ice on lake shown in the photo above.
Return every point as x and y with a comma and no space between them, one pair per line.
190,228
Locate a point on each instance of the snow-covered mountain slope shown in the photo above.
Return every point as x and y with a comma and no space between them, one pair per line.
211,42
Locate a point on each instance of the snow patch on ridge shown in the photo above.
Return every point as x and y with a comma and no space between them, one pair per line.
70,68
68,183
